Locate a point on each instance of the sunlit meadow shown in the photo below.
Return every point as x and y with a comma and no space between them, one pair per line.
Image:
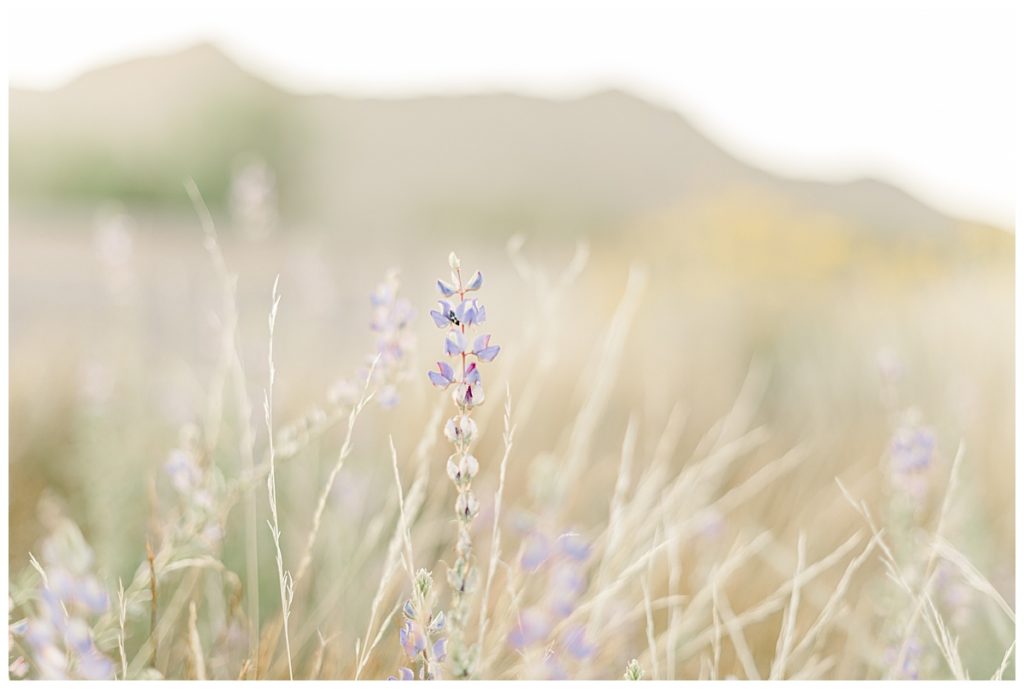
734,436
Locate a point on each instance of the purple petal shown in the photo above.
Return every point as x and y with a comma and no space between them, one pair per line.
446,289
483,351
438,380
574,546
406,674
455,343
440,320
475,282
472,374
488,353
440,649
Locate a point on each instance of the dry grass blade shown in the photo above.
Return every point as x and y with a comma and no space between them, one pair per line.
788,631
828,612
776,600
194,646
1001,670
972,576
122,615
284,579
735,631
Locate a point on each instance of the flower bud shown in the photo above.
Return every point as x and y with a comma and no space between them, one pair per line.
460,430
466,505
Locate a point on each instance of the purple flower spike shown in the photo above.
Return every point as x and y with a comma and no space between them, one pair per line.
443,316
455,343
475,282
443,377
484,350
446,289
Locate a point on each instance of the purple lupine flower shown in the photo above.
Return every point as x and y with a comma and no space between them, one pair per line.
411,639
440,649
469,312
444,316
419,635
391,318
59,634
456,318
443,376
912,450
475,282
562,561
455,343
445,288
483,350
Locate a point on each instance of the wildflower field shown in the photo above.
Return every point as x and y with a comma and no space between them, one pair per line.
488,387
502,462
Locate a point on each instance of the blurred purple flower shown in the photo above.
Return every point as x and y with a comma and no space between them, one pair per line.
576,644
574,546
536,551
912,450
532,626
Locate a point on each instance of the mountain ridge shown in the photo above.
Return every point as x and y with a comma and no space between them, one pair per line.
607,154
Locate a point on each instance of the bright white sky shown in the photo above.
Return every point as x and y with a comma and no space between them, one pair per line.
921,94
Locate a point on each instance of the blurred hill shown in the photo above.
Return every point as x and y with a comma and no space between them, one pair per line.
604,164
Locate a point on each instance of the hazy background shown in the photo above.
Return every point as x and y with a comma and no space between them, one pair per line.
317,178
